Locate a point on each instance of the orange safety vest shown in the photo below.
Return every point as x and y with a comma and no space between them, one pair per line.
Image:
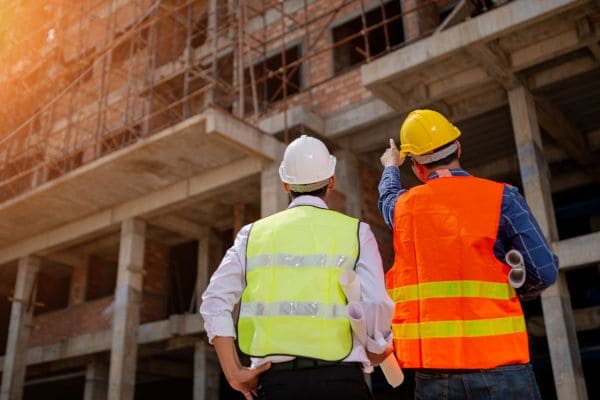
454,308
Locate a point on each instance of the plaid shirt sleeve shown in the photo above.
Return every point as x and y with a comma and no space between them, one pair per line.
390,189
519,230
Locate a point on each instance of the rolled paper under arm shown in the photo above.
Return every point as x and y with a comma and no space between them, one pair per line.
351,288
516,275
357,321
392,371
350,285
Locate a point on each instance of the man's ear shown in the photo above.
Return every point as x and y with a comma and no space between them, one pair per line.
419,170
331,183
286,187
459,148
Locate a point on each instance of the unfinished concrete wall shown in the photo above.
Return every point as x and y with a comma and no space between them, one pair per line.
369,179
155,289
76,320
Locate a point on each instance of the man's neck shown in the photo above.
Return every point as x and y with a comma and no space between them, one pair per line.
451,165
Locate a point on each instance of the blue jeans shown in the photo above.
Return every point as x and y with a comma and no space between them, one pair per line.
503,383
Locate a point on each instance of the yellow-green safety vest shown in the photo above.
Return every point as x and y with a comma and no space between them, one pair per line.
293,303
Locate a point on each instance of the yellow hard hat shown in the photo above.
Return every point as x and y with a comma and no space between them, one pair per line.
424,131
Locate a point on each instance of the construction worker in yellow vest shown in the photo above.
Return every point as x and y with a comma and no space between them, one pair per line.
285,269
458,320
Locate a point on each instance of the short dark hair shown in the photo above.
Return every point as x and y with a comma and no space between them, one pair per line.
318,193
444,161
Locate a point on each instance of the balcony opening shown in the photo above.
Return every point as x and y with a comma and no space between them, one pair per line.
273,75
387,33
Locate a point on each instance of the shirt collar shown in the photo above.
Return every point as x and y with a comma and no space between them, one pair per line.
453,172
307,200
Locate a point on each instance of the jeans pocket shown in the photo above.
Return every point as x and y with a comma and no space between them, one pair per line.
431,386
512,382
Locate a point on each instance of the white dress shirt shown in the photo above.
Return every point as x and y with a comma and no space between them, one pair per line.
228,282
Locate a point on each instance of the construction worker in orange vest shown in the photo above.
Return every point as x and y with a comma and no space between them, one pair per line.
457,320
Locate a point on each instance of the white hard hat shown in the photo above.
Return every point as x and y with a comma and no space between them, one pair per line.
306,160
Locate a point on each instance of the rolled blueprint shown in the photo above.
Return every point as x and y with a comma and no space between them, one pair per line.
351,288
350,285
516,275
357,321
390,367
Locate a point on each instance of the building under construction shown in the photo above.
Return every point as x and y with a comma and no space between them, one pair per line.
138,136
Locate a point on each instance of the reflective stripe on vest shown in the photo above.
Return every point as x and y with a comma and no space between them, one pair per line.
459,328
454,306
293,303
428,290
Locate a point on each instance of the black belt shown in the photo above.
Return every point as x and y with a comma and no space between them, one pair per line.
304,363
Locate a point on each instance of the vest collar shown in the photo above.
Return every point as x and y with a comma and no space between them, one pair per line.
442,173
307,200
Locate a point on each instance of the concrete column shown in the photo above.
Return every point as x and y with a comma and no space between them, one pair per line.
78,286
239,217
96,381
206,364
556,300
126,316
203,264
272,196
348,182
15,358
206,372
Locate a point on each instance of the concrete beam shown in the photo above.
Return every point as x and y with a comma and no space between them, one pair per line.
557,73
583,34
126,316
181,226
358,117
586,319
497,64
166,369
556,303
296,116
376,111
556,124
578,251
13,372
67,258
91,343
485,27
143,206
243,135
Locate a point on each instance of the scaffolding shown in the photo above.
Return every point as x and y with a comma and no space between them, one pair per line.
98,75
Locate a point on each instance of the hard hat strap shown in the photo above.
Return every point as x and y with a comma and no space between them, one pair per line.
436,156
308,187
